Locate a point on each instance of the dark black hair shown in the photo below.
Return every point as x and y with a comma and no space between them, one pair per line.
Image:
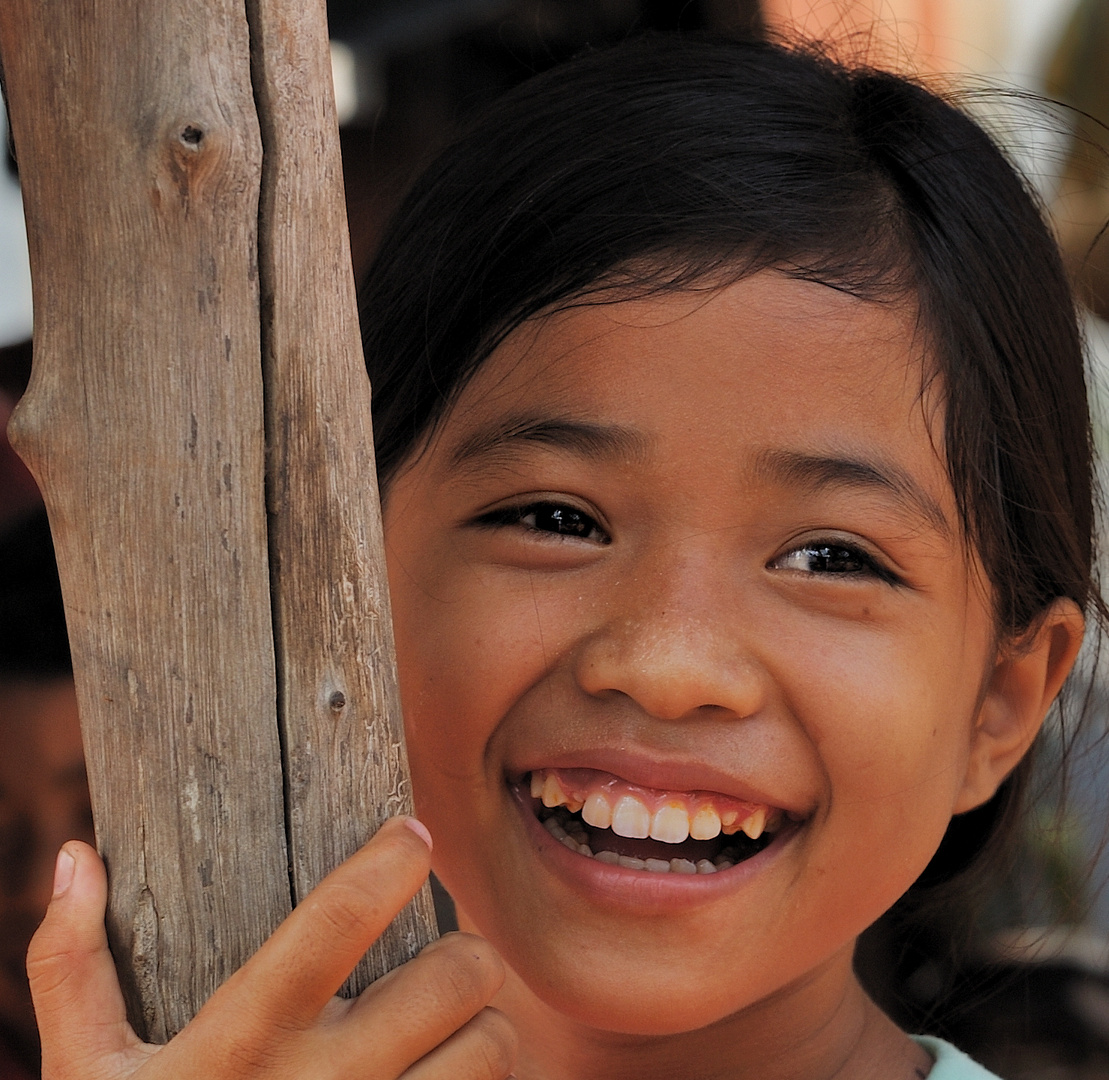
670,163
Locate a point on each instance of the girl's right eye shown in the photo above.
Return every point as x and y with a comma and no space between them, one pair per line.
554,518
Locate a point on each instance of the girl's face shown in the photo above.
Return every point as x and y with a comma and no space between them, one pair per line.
694,554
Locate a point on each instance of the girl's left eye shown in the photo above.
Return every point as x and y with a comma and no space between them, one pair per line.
548,517
836,559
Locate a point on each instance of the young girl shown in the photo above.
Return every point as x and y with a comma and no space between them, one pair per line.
733,439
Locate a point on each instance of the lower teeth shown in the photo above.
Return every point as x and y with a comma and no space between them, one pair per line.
567,830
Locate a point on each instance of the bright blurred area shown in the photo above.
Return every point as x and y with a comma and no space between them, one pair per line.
1027,991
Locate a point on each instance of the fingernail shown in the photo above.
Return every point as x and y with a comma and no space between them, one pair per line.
420,829
63,873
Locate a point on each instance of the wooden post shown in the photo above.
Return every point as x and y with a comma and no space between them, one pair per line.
345,763
192,292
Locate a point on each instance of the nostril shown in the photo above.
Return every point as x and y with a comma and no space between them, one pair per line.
674,660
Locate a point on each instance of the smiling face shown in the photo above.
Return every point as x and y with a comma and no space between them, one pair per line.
693,551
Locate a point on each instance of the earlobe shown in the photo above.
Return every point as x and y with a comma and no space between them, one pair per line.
1026,679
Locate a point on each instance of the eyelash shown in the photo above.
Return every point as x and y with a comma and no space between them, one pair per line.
565,520
833,551
570,522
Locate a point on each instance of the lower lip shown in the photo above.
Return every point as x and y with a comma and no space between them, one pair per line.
642,891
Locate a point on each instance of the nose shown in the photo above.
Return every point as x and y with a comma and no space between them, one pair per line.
676,643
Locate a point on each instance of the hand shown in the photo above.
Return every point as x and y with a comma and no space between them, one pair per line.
276,1018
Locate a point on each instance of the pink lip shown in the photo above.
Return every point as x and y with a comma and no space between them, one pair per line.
637,891
660,775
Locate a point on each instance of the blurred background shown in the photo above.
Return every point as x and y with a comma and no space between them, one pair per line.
1020,978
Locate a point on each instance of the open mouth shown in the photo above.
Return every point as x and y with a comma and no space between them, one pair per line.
602,817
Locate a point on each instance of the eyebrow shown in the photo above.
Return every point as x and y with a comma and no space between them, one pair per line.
582,437
818,471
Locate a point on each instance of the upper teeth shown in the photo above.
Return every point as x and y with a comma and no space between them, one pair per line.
672,822
755,823
597,811
705,824
631,818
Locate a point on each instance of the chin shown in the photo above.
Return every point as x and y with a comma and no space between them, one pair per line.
631,992
638,1016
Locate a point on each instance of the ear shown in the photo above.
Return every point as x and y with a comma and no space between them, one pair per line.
1027,676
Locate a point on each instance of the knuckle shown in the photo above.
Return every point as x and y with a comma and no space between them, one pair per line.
342,912
50,970
493,1045
249,1057
456,986
41,948
253,1045
263,1023
476,949
465,974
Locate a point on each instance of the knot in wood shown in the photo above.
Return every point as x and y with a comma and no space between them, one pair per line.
337,701
197,157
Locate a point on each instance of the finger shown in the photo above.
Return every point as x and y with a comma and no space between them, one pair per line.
485,1049
306,960
78,1003
422,1004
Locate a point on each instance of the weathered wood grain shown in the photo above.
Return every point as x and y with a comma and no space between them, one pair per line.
136,133
340,711
159,303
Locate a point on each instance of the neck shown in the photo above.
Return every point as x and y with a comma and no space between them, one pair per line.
823,1029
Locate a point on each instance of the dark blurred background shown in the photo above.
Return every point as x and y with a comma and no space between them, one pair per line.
412,72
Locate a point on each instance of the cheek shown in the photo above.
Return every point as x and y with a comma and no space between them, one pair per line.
464,657
891,717
892,732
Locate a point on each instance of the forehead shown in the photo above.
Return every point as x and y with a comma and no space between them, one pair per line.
768,364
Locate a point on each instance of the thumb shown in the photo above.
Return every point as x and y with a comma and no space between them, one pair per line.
78,1004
